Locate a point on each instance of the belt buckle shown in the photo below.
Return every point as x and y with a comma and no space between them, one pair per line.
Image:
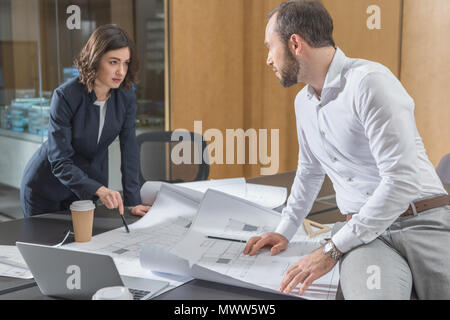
414,209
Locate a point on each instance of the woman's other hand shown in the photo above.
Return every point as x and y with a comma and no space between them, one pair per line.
140,210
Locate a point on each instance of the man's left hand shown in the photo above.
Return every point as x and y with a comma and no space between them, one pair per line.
306,271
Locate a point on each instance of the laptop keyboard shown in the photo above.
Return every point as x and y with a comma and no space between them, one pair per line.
138,294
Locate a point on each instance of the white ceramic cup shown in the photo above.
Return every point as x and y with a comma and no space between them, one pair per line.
113,293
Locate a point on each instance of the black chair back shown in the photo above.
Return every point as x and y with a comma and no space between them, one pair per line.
163,159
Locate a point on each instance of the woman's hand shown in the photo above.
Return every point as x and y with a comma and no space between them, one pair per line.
110,198
140,210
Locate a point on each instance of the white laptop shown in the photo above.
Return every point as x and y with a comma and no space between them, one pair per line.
77,275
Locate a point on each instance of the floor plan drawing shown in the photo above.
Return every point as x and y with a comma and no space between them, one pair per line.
241,230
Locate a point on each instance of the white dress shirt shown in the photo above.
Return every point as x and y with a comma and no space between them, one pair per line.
102,105
362,134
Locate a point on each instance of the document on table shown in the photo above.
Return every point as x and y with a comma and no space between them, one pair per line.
12,264
160,258
226,216
170,218
266,196
234,186
169,242
150,190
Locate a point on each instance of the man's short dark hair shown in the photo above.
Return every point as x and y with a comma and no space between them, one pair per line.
307,18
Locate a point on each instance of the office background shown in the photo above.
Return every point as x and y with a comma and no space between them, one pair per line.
205,60
37,49
231,86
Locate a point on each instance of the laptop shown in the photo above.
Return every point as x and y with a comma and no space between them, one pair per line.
78,275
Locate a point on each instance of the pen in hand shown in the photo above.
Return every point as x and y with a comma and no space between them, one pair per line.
125,223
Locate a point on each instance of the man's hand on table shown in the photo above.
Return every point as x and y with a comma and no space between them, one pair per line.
305,271
275,240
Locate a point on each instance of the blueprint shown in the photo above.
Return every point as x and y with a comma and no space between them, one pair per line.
226,216
266,196
171,243
12,264
263,269
170,218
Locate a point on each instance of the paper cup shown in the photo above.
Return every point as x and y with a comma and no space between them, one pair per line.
82,220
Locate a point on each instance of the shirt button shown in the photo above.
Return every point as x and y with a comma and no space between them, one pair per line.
350,180
323,133
334,159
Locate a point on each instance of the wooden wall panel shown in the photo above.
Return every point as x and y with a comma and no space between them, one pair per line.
122,15
425,66
267,104
353,36
206,68
242,91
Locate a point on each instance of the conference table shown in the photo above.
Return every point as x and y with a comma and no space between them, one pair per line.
50,229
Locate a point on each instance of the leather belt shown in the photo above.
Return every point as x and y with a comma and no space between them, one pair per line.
427,204
423,205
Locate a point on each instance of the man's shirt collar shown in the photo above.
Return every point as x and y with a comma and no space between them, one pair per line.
334,77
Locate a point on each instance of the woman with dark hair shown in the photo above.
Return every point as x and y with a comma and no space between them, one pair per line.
86,116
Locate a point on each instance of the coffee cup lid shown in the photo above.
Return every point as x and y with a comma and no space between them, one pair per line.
85,205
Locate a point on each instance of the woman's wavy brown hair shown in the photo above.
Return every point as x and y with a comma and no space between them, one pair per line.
105,38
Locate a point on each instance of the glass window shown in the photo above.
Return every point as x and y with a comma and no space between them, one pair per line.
37,56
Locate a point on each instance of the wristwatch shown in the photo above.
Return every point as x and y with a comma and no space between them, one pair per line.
330,250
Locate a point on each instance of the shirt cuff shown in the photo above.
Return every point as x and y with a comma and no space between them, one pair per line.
345,240
286,228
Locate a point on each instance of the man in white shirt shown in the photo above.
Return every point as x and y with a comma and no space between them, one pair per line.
355,123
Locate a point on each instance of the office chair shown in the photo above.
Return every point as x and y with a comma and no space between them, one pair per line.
156,163
443,169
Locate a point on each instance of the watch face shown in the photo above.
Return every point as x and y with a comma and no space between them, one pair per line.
328,247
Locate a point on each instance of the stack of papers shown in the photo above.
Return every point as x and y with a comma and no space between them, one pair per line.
221,215
266,196
163,227
12,264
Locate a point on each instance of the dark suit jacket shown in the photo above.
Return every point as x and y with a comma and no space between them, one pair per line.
71,165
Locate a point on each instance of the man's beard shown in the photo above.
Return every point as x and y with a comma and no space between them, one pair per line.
289,72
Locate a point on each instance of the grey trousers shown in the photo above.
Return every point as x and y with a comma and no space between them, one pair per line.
410,260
